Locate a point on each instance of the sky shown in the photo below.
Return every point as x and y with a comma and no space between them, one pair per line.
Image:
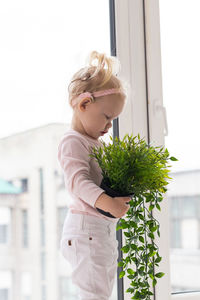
180,48
43,43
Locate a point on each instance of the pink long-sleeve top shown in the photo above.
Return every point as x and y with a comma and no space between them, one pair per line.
82,174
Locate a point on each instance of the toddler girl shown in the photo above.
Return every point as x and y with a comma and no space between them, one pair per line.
89,238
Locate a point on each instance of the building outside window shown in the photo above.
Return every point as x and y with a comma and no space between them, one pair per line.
184,200
62,212
5,285
25,233
67,289
26,286
24,185
5,224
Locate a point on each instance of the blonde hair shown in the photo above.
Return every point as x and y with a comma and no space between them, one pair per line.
94,78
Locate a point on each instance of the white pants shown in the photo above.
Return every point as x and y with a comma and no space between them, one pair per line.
89,244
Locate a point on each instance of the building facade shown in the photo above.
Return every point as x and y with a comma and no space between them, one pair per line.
31,221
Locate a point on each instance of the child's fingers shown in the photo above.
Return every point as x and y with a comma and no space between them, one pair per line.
126,199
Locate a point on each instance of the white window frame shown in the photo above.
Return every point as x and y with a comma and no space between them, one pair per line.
139,51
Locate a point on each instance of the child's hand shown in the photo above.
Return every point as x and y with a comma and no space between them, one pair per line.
120,206
117,206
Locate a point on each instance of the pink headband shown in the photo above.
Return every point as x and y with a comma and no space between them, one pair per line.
95,95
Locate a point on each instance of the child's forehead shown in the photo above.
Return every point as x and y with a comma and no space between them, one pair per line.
111,103
113,99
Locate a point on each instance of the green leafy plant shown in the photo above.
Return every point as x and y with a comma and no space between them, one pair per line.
130,166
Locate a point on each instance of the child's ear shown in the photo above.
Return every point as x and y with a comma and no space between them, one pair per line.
84,103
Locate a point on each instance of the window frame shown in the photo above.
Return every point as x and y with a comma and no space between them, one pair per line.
138,48
130,49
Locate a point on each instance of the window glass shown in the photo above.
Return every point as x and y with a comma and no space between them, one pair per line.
4,294
62,212
180,47
26,286
67,289
189,207
5,284
175,233
5,219
43,44
25,228
175,206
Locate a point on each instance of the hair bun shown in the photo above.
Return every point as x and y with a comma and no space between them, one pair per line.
101,63
100,57
104,62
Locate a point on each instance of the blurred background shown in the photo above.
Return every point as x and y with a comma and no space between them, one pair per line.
43,43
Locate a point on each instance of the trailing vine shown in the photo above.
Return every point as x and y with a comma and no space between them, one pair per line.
140,248
138,169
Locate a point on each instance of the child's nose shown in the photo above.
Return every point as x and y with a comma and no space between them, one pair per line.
109,124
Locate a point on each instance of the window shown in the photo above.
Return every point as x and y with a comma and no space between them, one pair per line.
62,212
67,289
185,242
5,285
25,228
45,43
3,234
5,219
26,286
24,185
4,294
180,64
43,265
139,48
185,221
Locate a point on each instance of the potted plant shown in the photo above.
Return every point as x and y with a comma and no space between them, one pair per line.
133,167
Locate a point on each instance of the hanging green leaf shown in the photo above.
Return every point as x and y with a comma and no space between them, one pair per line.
130,166
160,274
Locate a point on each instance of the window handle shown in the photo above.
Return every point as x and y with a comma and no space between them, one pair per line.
158,110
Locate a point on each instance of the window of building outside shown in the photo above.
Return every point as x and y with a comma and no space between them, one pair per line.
67,289
62,212
5,285
25,228
5,219
24,185
26,286
3,233
3,294
180,47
